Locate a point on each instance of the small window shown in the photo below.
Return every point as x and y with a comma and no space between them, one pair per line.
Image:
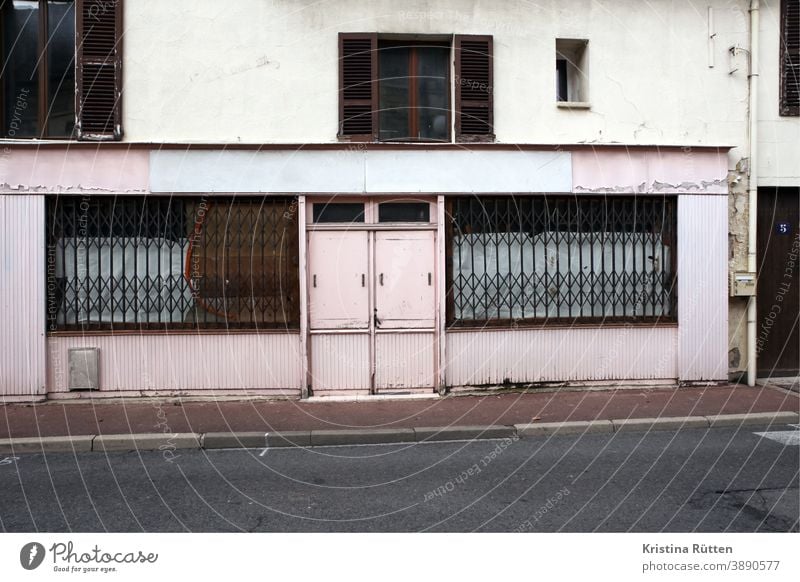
339,212
404,212
572,75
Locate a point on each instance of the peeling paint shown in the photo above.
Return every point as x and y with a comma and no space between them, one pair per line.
656,187
693,187
59,189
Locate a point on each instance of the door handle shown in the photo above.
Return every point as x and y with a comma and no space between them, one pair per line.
381,279
429,279
377,321
362,279
315,280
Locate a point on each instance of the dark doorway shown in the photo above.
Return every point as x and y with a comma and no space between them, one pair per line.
778,302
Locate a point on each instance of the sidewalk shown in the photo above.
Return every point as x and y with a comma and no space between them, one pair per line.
138,416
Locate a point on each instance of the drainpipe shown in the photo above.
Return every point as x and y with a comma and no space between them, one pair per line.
753,188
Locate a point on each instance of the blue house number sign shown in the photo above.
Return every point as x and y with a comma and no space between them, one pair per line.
783,228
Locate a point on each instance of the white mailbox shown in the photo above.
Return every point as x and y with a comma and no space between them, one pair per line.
743,284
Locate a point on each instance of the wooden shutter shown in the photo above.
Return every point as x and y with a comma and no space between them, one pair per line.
474,88
99,70
358,87
790,57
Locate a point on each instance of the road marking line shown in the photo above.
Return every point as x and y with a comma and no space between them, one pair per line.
266,448
784,437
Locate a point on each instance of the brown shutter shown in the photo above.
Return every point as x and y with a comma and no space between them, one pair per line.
474,88
99,69
790,57
358,87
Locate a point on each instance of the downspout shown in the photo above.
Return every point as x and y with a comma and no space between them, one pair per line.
753,188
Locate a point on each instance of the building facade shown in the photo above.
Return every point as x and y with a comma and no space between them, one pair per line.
353,198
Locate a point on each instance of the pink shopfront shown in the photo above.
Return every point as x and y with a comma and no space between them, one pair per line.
335,270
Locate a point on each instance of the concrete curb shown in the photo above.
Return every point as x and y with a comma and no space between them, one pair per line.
647,424
146,442
368,436
564,428
230,440
461,433
54,444
752,418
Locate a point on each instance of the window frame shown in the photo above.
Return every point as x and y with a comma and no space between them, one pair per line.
413,120
671,289
42,76
63,318
371,211
785,109
572,61
471,86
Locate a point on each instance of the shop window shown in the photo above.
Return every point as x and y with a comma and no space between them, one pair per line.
331,212
404,212
43,65
171,263
567,259
572,76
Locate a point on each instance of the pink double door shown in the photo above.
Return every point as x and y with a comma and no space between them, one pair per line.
372,310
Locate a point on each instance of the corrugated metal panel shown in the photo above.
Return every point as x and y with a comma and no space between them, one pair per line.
185,362
404,360
22,287
703,287
555,355
340,361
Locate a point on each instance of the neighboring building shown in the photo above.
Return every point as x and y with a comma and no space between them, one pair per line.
778,184
286,197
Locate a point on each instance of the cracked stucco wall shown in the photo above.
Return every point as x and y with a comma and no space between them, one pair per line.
738,217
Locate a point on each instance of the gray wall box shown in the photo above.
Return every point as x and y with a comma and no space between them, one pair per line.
83,368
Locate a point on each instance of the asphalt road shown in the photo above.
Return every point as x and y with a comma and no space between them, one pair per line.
692,480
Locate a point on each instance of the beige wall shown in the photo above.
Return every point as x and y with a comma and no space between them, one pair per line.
266,70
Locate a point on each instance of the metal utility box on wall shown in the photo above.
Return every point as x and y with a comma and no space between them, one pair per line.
83,368
743,284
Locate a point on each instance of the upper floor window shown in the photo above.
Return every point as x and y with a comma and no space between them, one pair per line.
56,55
414,92
572,80
400,90
38,70
790,58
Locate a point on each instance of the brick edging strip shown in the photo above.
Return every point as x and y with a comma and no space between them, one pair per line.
312,438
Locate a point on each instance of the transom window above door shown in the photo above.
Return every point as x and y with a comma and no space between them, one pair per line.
399,87
373,213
